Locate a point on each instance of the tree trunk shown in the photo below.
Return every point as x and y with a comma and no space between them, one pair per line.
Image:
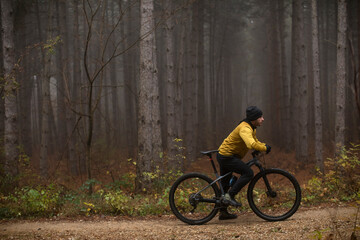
357,78
212,74
201,106
2,96
299,86
274,62
45,90
11,142
73,97
61,72
317,93
115,83
180,65
130,90
174,162
285,86
340,74
149,132
26,81
190,80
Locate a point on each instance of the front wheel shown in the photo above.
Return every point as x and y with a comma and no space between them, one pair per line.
274,195
193,200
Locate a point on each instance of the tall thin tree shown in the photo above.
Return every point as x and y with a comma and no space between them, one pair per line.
11,141
172,151
47,58
299,83
317,93
340,74
149,131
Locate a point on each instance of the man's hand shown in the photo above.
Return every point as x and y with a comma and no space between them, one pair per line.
268,148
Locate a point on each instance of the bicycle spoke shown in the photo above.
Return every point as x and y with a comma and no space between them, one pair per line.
192,202
186,192
278,202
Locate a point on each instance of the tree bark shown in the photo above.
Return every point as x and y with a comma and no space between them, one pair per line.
174,162
46,108
115,83
275,75
201,106
299,87
130,90
2,96
11,141
285,85
61,72
317,92
73,98
340,74
190,79
149,132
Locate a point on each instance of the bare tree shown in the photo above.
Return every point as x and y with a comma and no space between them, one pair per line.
93,97
95,63
11,141
340,74
317,93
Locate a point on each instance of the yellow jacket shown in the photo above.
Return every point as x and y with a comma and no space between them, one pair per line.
240,140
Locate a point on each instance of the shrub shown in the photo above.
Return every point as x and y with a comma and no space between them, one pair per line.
119,201
341,180
137,205
26,201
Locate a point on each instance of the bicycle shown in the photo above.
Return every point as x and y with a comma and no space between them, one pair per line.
273,194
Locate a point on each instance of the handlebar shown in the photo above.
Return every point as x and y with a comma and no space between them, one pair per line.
255,153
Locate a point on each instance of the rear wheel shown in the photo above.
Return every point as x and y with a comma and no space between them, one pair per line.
274,195
193,200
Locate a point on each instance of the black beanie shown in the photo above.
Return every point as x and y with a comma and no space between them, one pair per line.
253,113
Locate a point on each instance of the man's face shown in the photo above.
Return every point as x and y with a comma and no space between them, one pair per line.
258,122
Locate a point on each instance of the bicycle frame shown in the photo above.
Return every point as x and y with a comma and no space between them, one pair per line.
250,163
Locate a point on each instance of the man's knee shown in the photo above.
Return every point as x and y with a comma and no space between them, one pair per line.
249,174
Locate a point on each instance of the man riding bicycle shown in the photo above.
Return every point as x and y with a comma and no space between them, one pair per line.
232,150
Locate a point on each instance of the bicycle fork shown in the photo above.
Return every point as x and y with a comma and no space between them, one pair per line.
270,192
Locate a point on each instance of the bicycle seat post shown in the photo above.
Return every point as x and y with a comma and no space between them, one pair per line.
209,154
213,164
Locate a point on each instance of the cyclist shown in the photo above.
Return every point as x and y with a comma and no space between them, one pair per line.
232,150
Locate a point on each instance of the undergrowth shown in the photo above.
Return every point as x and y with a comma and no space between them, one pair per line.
116,198
339,183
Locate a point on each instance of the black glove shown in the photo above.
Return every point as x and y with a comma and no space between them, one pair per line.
268,148
255,153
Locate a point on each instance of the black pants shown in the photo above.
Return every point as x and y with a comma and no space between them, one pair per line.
234,164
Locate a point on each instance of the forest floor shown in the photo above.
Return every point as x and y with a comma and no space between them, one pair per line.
326,222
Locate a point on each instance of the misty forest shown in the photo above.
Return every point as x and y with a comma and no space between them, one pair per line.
95,92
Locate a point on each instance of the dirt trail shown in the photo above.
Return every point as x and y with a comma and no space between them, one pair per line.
307,223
